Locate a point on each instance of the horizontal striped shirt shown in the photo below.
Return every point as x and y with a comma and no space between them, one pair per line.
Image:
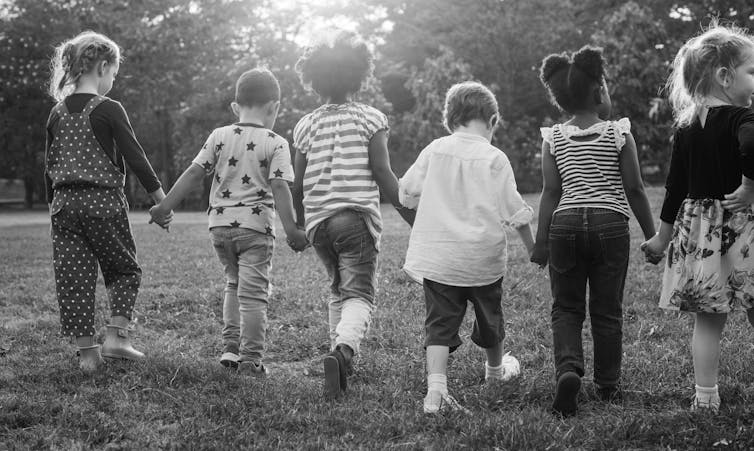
335,140
589,168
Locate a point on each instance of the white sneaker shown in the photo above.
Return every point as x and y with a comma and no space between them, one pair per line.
229,360
511,368
436,401
711,402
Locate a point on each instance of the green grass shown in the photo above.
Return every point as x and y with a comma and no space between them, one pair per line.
180,397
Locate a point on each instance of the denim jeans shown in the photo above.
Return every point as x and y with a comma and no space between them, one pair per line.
346,248
246,256
588,245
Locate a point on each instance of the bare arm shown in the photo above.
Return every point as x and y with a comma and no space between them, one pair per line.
187,182
284,204
551,191
634,187
297,192
379,162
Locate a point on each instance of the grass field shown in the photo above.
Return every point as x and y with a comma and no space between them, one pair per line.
181,398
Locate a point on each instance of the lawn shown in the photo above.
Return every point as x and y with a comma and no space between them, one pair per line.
180,397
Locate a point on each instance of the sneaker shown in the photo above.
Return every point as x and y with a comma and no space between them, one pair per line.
229,360
711,403
252,368
336,377
566,401
609,393
436,401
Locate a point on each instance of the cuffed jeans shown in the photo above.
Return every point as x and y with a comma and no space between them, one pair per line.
588,245
246,256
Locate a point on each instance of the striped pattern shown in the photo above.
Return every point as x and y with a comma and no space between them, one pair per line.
335,140
590,170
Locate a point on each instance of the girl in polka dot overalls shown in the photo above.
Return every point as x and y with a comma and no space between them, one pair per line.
89,140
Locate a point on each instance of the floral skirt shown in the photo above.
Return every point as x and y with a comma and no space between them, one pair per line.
710,261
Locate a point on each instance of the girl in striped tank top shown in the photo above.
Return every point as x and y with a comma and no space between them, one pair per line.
591,177
340,166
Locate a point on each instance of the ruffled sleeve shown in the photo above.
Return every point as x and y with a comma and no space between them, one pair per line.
622,128
546,133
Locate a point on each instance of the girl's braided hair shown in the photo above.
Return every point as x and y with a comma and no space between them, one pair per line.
76,57
570,79
337,66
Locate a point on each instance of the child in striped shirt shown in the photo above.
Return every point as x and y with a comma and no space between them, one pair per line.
591,176
340,165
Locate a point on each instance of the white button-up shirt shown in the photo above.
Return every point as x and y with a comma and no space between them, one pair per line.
465,193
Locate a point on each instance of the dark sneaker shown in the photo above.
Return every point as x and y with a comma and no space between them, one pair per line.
566,394
336,375
610,393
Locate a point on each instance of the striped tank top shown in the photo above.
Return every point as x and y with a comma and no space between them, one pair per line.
589,168
335,140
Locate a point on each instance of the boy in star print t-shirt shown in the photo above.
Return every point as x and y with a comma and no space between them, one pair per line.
252,168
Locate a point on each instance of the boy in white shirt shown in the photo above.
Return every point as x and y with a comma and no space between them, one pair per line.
465,193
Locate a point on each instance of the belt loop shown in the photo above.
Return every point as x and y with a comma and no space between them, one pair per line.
585,217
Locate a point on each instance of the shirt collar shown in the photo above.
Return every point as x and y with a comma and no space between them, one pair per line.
249,124
471,136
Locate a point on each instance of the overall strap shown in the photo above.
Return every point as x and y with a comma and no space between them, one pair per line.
92,104
60,108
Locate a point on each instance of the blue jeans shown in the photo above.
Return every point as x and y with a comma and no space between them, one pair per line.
246,256
346,247
588,245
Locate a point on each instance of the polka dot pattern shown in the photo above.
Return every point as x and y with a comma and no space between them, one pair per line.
90,227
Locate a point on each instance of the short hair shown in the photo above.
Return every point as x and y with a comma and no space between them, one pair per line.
337,66
256,87
695,65
570,79
468,101
77,56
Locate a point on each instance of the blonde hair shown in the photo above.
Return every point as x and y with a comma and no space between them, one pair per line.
76,57
467,101
694,67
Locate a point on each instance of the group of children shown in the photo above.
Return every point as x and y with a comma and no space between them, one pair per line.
459,196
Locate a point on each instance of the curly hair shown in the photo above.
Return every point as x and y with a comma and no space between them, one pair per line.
570,79
77,56
337,68
694,67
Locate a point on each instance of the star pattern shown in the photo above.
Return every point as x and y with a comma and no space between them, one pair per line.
237,130
217,177
207,166
235,224
261,193
240,204
232,161
268,230
278,173
226,193
271,134
256,210
263,163
250,146
219,147
219,210
245,179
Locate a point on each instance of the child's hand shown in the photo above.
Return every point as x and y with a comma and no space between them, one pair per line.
740,199
297,240
654,249
161,217
540,255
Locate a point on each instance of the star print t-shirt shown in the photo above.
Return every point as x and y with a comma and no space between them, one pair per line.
244,158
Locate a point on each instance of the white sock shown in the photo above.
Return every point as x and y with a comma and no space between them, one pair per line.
705,394
437,382
493,372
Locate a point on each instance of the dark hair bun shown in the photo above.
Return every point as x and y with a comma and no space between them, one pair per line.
590,61
552,64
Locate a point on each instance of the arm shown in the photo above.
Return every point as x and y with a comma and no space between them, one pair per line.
284,205
742,198
524,232
187,182
299,169
634,187
379,162
551,192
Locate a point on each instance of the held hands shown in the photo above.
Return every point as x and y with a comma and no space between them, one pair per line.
161,217
539,255
297,240
654,249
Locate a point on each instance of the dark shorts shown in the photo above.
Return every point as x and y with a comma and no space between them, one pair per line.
446,307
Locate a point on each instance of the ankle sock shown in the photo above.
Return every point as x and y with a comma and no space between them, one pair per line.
493,372
707,396
437,382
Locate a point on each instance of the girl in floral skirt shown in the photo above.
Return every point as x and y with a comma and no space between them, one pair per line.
707,218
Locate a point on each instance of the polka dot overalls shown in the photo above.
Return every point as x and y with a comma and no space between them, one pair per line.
89,225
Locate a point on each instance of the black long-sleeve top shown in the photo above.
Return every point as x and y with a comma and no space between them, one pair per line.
114,134
707,162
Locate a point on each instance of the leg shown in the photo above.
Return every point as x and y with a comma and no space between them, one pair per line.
705,347
323,246
489,331
226,254
254,265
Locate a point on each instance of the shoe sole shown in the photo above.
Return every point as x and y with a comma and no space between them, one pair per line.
332,377
229,363
566,395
